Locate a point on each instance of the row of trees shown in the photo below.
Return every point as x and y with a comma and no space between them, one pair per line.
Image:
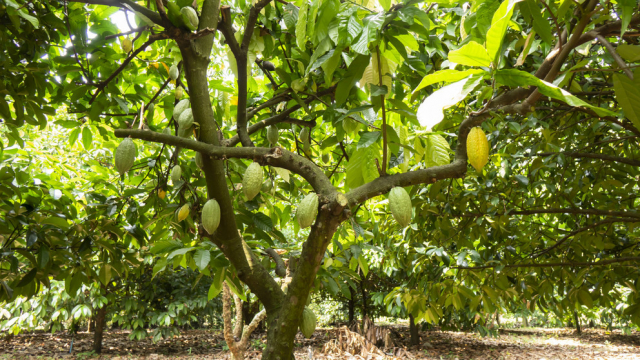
365,96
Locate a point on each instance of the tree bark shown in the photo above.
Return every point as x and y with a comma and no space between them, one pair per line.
414,331
100,318
352,306
577,320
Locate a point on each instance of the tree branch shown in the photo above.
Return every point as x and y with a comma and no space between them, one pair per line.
593,156
574,264
266,156
614,54
625,214
251,22
281,270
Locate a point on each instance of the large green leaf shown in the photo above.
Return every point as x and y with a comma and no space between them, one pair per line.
202,258
362,165
436,152
431,111
628,95
498,29
471,54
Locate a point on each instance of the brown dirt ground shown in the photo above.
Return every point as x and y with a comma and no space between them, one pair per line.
208,344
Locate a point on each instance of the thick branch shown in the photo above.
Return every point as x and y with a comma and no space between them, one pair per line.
624,214
244,342
266,156
237,329
126,4
251,23
281,270
619,159
574,264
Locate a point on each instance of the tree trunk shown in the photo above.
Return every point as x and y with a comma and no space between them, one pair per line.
414,331
498,319
525,320
352,306
364,298
99,328
577,320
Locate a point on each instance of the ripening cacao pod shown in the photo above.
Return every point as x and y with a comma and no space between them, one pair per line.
183,212
308,322
190,17
211,216
304,134
199,162
173,72
161,193
400,204
307,210
125,155
126,45
252,181
176,173
272,135
477,148
179,92
180,107
268,65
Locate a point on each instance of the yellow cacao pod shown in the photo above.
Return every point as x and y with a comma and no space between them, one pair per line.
162,193
252,181
183,212
308,322
125,155
127,45
307,210
400,204
211,216
477,148
179,92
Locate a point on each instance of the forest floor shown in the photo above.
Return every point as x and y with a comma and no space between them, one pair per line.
534,343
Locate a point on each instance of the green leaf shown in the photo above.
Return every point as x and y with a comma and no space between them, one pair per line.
105,274
585,299
202,258
27,278
542,27
56,221
631,53
626,9
362,166
159,266
301,25
515,78
368,138
437,151
87,137
471,54
498,29
628,96
378,90
447,76
386,5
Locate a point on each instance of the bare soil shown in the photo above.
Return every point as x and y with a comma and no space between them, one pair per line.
209,344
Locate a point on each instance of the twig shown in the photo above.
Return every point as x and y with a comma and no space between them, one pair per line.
127,32
615,55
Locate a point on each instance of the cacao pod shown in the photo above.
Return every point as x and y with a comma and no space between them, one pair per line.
307,210
180,107
127,45
173,72
308,322
267,186
179,92
304,134
167,131
252,181
268,65
477,148
176,173
183,212
400,204
326,158
199,162
298,85
161,193
185,121
151,108
272,135
211,216
190,17
174,14
125,155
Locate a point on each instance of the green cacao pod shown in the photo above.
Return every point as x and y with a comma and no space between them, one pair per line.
477,148
252,181
185,121
190,17
126,45
267,186
151,109
400,204
272,135
173,72
167,131
211,216
176,173
199,161
307,210
304,134
179,92
180,107
173,12
308,322
125,155
326,158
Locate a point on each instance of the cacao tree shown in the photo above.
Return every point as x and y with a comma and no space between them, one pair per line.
368,98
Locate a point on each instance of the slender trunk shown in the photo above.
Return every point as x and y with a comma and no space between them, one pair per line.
352,306
99,328
364,298
526,321
414,331
498,318
577,320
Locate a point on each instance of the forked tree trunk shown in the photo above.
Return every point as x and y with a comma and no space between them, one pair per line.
414,331
100,317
